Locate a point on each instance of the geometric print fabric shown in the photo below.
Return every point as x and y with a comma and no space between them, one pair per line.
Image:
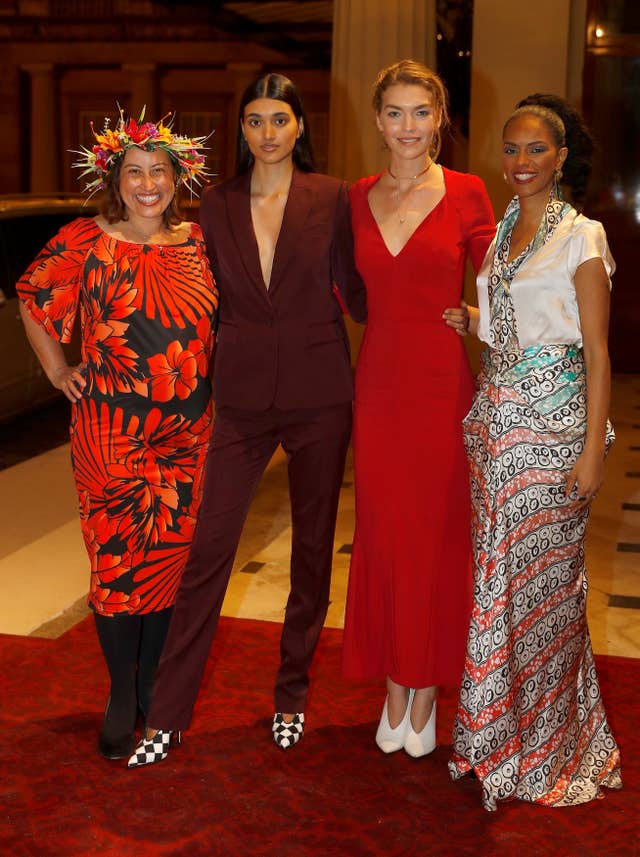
287,734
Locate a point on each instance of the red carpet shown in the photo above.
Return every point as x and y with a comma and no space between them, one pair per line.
229,791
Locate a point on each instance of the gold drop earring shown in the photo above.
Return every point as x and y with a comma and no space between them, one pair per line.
556,183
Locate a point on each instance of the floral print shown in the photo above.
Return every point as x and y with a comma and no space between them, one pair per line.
140,432
173,373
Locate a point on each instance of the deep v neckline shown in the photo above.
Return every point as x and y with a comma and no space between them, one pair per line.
296,211
266,285
418,225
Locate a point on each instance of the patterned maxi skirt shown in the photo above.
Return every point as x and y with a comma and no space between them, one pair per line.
530,720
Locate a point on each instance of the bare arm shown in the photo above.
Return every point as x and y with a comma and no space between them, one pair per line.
592,291
463,319
51,355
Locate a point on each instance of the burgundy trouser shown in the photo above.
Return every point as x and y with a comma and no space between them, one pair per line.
242,444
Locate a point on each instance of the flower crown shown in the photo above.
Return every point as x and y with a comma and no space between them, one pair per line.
185,152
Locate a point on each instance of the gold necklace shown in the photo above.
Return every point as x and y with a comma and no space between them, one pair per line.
402,217
411,178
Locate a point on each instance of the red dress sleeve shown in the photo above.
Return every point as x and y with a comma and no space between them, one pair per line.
478,220
50,287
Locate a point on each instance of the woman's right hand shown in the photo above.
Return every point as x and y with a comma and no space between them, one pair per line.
70,380
457,318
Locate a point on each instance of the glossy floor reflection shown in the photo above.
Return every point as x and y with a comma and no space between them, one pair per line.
43,566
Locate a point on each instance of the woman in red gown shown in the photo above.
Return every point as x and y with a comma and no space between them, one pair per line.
410,582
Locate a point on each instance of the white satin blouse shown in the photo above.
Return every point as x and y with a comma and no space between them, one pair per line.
542,290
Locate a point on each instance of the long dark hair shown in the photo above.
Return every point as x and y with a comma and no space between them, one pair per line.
280,88
577,138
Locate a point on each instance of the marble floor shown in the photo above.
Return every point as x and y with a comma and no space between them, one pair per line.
43,566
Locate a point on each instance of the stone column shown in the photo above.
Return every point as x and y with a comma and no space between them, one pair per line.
43,168
143,88
12,135
367,35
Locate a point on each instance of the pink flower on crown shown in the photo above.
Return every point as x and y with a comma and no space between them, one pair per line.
149,129
102,158
111,144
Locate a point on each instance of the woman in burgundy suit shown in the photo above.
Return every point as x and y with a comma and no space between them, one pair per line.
278,237
409,595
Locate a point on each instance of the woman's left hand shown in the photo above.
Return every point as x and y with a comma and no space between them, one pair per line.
458,318
585,477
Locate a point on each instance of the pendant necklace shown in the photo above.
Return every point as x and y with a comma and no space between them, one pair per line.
402,218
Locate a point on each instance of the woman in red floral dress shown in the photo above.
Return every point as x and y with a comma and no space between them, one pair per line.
141,412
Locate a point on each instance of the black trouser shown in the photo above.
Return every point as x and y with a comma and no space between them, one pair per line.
132,645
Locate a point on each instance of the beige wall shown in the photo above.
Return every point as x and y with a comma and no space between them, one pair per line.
517,51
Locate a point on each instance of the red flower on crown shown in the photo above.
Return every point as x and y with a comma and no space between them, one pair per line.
185,152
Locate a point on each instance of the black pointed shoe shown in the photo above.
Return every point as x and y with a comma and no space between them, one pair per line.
119,748
115,740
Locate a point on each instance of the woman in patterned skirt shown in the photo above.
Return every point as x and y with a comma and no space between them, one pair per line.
141,398
530,721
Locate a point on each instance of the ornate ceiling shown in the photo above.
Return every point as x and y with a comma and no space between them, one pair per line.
300,29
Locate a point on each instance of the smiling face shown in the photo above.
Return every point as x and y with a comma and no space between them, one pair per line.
408,120
270,129
147,182
530,156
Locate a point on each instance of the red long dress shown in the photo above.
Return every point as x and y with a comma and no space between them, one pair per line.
140,432
409,596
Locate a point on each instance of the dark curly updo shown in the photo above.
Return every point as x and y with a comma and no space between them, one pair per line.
577,138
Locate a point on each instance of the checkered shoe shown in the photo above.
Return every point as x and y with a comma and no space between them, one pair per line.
151,750
287,734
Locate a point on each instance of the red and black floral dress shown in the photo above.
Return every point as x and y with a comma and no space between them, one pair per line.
140,432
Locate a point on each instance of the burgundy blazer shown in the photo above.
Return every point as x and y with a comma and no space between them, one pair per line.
286,346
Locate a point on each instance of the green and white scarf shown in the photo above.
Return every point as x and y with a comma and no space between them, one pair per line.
504,332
